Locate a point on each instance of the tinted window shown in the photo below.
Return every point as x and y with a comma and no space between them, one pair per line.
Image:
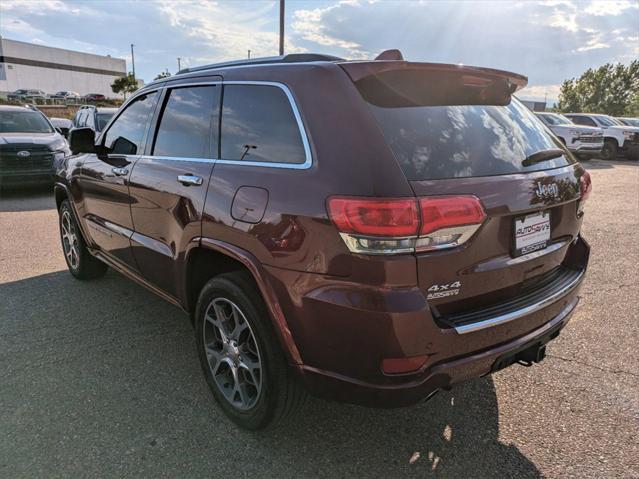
605,121
186,128
582,120
555,119
434,142
23,122
103,119
127,132
258,124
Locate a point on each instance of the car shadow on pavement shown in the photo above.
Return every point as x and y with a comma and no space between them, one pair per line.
101,378
26,199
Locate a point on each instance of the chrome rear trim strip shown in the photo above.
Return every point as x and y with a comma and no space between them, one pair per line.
504,318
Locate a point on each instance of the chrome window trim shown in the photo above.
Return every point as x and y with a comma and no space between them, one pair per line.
177,158
308,161
102,134
504,318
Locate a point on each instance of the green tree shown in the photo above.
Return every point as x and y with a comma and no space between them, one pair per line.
124,85
164,74
610,89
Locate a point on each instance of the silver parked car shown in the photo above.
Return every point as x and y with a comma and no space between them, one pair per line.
26,95
66,95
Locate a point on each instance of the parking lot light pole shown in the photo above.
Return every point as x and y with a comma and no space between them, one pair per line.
132,61
281,27
179,67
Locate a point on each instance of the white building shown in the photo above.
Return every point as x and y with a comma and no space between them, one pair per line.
27,65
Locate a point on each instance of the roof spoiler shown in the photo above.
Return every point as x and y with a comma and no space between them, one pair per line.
393,83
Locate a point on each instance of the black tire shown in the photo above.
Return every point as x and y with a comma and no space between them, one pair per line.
82,264
280,393
609,151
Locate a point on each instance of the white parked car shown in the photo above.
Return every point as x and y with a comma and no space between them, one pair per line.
584,141
628,121
618,138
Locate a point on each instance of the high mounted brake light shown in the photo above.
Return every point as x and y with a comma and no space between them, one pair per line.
405,225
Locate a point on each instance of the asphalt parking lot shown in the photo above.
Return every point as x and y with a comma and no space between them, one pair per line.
100,379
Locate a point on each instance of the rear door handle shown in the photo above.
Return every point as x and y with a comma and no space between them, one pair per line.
189,180
120,171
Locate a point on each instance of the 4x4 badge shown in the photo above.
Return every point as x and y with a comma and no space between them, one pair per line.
437,291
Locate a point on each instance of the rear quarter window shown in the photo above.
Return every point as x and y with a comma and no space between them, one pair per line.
437,142
258,124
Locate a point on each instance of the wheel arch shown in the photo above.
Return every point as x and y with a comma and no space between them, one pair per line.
208,257
60,193
612,139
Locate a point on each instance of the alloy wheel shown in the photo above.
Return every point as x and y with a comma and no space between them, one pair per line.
70,240
232,354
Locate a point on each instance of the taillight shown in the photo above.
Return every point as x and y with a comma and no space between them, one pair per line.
585,187
448,220
376,217
390,226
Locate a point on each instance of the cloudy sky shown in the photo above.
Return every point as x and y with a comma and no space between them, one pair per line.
548,41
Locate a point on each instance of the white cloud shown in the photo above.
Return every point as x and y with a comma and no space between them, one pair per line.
236,30
609,7
539,92
565,20
309,25
40,7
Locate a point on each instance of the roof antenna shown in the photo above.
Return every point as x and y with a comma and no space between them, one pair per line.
393,54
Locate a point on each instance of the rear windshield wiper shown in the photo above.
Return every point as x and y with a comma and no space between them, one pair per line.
543,155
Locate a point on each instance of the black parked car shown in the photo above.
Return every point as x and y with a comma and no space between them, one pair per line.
29,146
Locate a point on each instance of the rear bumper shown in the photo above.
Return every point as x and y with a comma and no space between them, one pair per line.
344,330
589,151
438,377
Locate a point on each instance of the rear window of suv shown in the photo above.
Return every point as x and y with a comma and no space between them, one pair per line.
437,142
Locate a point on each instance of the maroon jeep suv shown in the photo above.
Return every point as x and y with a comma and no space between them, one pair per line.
366,231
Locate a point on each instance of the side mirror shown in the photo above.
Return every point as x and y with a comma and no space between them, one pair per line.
82,140
63,131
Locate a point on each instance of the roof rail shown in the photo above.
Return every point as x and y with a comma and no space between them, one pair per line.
290,58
